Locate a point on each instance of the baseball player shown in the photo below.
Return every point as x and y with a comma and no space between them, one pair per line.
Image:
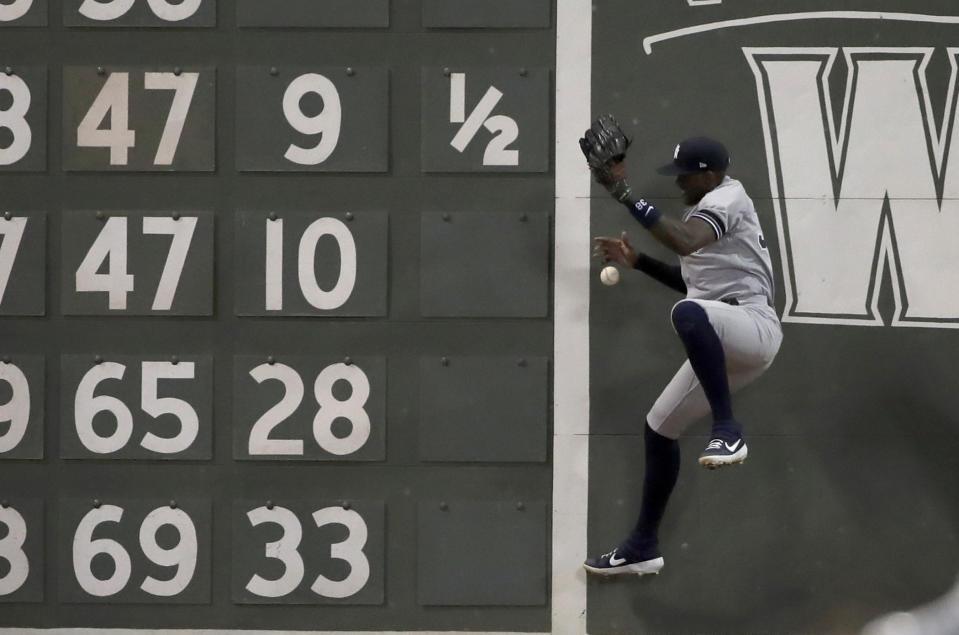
726,322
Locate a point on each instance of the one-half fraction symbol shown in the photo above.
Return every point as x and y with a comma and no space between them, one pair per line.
504,129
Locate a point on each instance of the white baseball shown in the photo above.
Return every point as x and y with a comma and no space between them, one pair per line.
609,275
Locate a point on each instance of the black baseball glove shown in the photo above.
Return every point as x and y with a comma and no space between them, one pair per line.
604,145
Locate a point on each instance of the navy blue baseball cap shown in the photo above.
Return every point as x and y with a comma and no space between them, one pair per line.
698,154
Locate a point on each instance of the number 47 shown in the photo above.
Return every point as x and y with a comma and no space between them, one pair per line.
114,100
112,244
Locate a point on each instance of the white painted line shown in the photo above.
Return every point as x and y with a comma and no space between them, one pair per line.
214,631
792,17
571,318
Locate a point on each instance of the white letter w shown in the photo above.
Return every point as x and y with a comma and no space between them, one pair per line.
850,198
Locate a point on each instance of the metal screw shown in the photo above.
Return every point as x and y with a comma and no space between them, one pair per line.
101,216
98,359
4,504
101,70
445,361
523,218
349,216
446,71
270,360
523,72
520,505
444,507
521,363
174,360
176,215
172,504
350,72
6,359
348,360
96,503
269,504
7,215
345,504
273,216
274,71
447,217
8,71
177,70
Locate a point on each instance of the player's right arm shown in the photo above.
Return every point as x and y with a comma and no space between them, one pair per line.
619,251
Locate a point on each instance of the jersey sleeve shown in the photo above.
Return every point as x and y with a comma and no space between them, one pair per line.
717,210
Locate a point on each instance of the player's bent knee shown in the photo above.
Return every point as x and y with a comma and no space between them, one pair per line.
689,317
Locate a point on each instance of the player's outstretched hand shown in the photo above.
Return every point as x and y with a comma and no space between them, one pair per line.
617,250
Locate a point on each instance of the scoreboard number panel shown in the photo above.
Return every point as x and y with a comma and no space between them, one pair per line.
137,263
135,551
139,13
21,407
485,120
309,408
23,262
21,548
313,13
312,119
23,117
308,552
310,263
135,407
138,118
23,13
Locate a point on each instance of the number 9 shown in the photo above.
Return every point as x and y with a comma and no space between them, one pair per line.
326,123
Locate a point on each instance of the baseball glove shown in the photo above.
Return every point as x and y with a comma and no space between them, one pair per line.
604,145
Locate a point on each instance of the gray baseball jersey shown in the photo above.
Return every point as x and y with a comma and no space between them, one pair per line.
737,265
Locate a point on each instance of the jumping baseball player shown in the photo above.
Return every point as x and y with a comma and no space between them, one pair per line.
726,323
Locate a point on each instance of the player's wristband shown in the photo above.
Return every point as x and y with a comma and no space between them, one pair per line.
644,212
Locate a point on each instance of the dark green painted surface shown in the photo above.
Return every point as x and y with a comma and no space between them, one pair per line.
400,335
846,507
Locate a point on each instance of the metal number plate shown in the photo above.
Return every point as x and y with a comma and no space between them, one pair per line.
312,119
144,119
136,407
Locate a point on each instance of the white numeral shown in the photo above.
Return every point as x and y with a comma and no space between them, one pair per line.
330,409
260,441
155,406
183,555
174,11
285,550
86,406
12,232
350,550
184,85
17,410
11,550
482,116
163,9
113,101
306,264
85,548
15,10
110,243
326,123
182,231
14,119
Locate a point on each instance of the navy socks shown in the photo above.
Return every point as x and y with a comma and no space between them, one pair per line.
708,360
662,470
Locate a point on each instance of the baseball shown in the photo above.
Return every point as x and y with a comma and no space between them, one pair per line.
609,275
